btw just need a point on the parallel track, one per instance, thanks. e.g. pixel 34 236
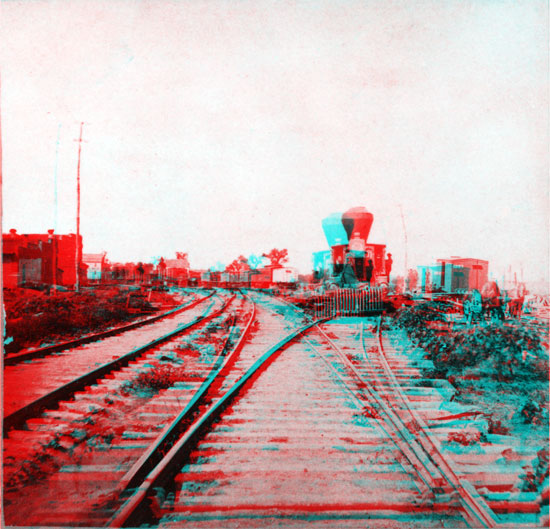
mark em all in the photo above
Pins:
pixel 226 365
pixel 435 463
pixel 25 356
pixel 204 469
pixel 69 386
pixel 408 435
pixel 145 504
pixel 97 472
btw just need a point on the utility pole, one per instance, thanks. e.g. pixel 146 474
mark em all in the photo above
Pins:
pixel 405 234
pixel 54 241
pixel 77 245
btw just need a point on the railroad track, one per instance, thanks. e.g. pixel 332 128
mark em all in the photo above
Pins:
pixel 317 428
pixel 151 429
pixel 90 416
pixel 484 476
pixel 228 474
pixel 384 399
pixel 284 445
pixel 493 467
pixel 34 384
pixel 78 413
pixel 26 355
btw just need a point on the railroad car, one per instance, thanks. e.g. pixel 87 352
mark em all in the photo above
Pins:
pixel 260 278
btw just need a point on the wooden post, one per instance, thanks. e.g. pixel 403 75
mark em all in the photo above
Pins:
pixel 77 245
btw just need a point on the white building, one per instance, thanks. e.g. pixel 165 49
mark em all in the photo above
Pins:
pixel 285 275
pixel 96 265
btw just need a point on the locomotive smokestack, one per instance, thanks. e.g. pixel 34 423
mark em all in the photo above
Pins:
pixel 357 220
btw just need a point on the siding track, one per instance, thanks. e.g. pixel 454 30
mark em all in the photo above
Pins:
pixel 40 384
pixel 486 476
pixel 289 443
pixel 284 423
pixel 26 355
pixel 102 425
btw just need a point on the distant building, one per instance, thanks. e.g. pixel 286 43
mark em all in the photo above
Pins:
pixel 37 258
pixel 97 266
pixel 260 278
pixel 120 271
pixel 476 272
pixel 285 275
pixel 454 274
pixel 177 270
pixel 149 273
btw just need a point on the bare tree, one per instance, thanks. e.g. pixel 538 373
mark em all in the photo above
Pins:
pixel 238 265
pixel 140 270
pixel 277 257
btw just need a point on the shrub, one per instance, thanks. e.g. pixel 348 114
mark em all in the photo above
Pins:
pixel 32 320
pixel 532 412
pixel 504 352
pixel 417 317
pixel 155 379
pixel 533 481
pixel 496 427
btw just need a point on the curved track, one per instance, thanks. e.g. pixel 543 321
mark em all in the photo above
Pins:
pixel 111 416
pixel 385 401
pixel 289 442
pixel 149 430
pixel 289 422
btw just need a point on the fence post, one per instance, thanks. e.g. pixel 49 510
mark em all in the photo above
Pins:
pixel 316 305
pixel 346 302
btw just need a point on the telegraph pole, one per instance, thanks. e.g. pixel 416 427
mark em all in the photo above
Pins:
pixel 405 234
pixel 77 260
pixel 54 241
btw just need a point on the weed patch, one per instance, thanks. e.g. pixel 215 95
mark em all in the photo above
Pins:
pixel 33 320
pixel 154 380
pixel 504 352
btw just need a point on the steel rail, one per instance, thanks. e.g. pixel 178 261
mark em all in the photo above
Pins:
pixel 163 443
pixel 52 398
pixel 469 497
pixel 170 464
pixel 407 444
pixel 16 358
pixel 414 458
pixel 386 425
pixel 421 452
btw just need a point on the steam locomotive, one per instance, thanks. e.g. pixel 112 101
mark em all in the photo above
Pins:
pixel 350 252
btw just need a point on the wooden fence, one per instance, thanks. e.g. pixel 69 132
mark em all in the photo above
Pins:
pixel 349 302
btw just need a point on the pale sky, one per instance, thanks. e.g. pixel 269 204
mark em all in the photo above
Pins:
pixel 222 128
